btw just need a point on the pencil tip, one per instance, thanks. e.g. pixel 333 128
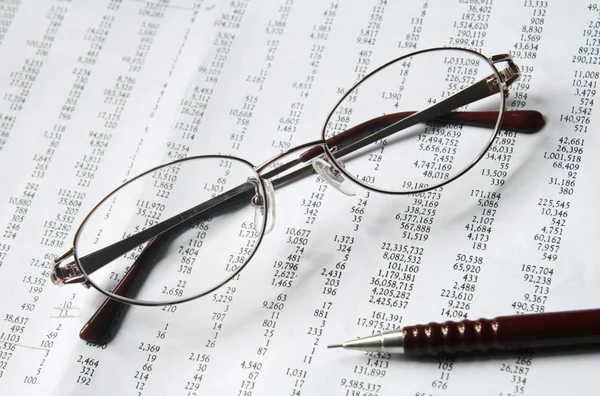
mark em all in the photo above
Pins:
pixel 335 346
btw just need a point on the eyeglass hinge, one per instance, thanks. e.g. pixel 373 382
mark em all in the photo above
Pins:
pixel 68 273
pixel 509 75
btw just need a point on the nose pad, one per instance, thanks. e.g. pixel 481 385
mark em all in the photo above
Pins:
pixel 333 176
pixel 259 201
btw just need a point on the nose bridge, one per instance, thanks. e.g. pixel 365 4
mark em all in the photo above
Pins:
pixel 264 204
pixel 333 176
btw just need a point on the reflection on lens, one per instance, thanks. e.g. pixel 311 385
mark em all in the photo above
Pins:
pixel 414 155
pixel 207 247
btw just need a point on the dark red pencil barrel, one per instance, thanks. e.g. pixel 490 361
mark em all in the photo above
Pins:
pixel 505 333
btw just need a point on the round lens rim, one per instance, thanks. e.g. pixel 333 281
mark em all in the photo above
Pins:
pixel 130 301
pixel 474 162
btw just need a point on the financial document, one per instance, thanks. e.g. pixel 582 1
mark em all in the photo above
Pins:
pixel 94 92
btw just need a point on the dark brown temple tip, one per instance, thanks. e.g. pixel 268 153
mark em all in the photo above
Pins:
pixel 97 328
pixel 525 121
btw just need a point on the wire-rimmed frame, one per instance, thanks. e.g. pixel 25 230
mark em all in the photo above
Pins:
pixel 65 272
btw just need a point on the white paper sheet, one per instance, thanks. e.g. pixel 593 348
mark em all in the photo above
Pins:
pixel 64 66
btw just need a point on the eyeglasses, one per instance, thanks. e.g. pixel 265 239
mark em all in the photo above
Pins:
pixel 181 230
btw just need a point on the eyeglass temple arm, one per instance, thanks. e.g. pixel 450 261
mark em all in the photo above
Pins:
pixel 98 259
pixel 522 121
pixel 482 89
pixel 488 86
